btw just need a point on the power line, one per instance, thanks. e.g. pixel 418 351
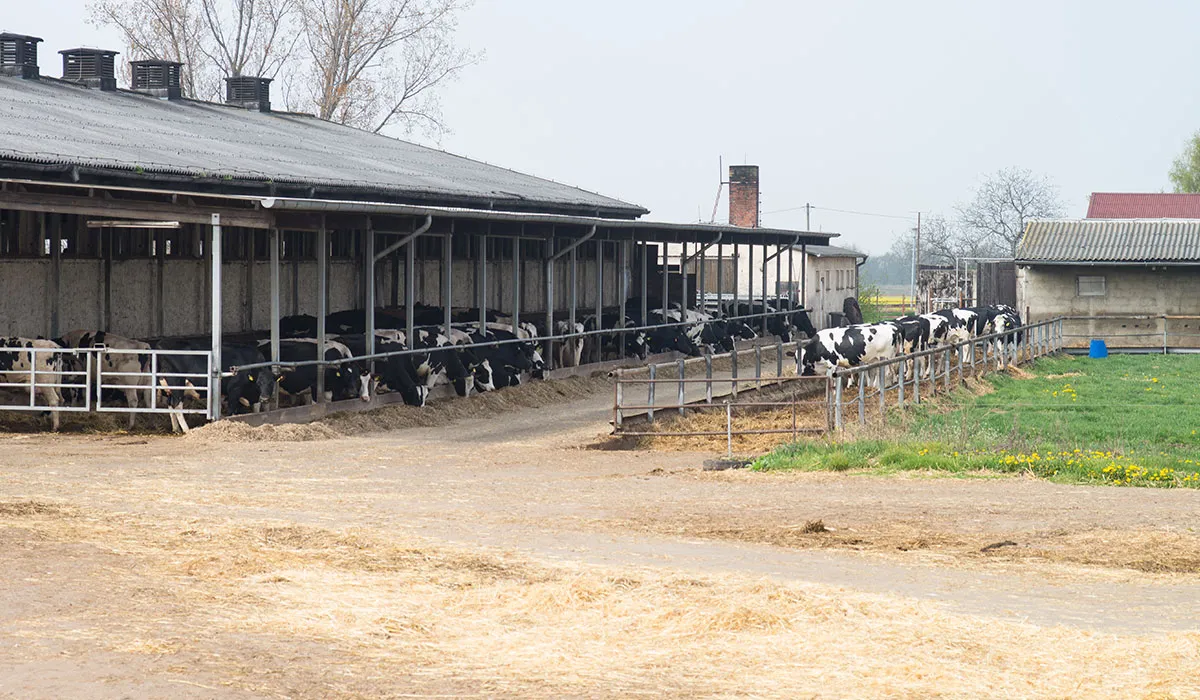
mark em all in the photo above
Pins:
pixel 843 211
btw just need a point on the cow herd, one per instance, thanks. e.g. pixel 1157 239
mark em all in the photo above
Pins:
pixel 478 352
pixel 862 344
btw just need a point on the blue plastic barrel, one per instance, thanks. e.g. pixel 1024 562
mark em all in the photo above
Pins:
pixel 1098 349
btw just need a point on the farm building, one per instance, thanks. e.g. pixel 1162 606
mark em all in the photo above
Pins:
pixel 1132 282
pixel 148 215
pixel 831 275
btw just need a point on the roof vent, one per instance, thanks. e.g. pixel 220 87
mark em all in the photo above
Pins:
pixel 248 92
pixel 94 68
pixel 18 55
pixel 158 78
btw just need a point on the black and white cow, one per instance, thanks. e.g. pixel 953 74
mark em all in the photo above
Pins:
pixel 243 392
pixel 441 363
pixel 342 381
pixel 129 367
pixel 568 352
pixel 395 373
pixel 21 363
pixel 779 325
pixel 610 343
pixel 849 346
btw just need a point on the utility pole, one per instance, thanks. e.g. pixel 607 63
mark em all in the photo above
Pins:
pixel 807 214
pixel 917 266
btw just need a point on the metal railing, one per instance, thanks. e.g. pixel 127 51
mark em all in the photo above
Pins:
pixel 825 400
pixel 80 377
pixel 934 369
pixel 1148 333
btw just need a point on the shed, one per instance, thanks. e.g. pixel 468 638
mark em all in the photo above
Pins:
pixel 1131 281
pixel 831 275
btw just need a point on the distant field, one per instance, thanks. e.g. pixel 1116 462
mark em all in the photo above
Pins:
pixel 1125 420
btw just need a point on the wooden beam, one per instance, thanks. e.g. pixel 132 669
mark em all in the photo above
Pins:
pixel 127 209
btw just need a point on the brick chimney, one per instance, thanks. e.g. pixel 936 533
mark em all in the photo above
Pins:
pixel 743 196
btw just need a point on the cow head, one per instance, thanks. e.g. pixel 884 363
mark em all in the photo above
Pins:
pixel 802 323
pixel 484 378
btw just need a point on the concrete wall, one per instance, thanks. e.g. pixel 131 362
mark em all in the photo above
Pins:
pixel 1050 290
pixel 26 292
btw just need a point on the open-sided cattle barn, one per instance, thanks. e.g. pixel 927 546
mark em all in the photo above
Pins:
pixel 141 213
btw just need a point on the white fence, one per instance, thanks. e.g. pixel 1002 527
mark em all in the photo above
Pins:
pixel 104 380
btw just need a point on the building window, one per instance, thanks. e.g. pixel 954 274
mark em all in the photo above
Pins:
pixel 1090 286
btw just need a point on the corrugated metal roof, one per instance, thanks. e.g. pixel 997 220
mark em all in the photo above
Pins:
pixel 51 122
pixel 1143 205
pixel 1111 240
pixel 832 251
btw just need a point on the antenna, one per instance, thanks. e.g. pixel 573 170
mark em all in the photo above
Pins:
pixel 721 182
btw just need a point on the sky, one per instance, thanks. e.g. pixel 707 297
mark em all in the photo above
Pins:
pixel 883 108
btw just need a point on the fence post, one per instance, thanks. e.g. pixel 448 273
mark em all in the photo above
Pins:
pixel 708 376
pixel 958 351
pixel 1164 322
pixel 916 384
pixel 758 366
pixel 733 370
pixel 728 429
pixel 682 391
pixel 900 386
pixel 778 358
pixel 650 394
pixel 153 381
pixel 947 377
pixel 618 397
pixel 837 402
pixel 862 397
pixel 793 415
pixel 882 391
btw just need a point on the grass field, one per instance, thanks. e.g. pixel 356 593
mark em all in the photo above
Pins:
pixel 1125 420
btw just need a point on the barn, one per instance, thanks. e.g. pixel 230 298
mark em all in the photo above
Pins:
pixel 1130 281
pixel 139 212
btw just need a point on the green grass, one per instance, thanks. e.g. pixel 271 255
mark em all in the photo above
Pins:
pixel 1127 420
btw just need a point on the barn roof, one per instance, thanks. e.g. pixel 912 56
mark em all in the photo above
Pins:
pixel 1120 241
pixel 832 251
pixel 1143 205
pixel 127 137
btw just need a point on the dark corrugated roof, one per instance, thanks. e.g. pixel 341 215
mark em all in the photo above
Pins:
pixel 1111 240
pixel 1143 205
pixel 51 122
pixel 832 251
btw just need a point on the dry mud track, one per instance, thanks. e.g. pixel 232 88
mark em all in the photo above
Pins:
pixel 493 556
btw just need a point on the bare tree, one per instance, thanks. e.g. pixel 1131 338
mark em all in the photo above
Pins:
pixel 372 64
pixel 944 241
pixel 1004 202
pixel 375 62
pixel 249 37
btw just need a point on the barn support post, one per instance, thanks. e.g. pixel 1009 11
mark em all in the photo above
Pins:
pixel 369 289
pixel 296 238
pixel 275 307
pixel 322 303
pixel 778 275
pixel 683 278
pixel 595 339
pixel 447 278
pixel 766 259
pixel 53 223
pixel 395 259
pixel 645 284
pixel 573 298
pixel 107 241
pixel 804 277
pixel 750 283
pixel 721 279
pixel 516 279
pixel 551 258
pixel 700 280
pixel 622 293
pixel 248 237
pixel 410 288
pixel 737 263
pixel 666 292
pixel 214 380
pixel 160 264
pixel 481 277
pixel 791 294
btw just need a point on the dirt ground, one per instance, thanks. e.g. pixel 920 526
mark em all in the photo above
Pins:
pixel 498 557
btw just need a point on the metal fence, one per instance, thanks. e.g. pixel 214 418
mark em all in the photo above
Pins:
pixel 83 380
pixel 825 402
pixel 1134 333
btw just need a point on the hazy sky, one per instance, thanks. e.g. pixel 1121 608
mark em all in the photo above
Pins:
pixel 883 107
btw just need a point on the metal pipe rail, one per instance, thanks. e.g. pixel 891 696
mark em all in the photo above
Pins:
pixel 490 343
